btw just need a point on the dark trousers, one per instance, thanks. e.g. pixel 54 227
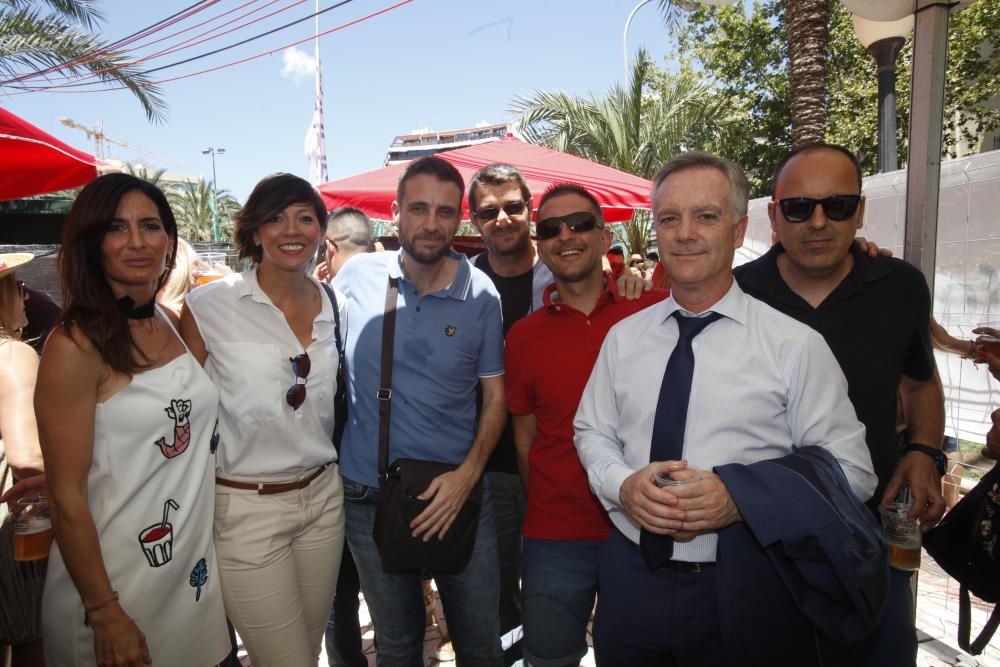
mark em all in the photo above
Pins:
pixel 509 502
pixel 894 641
pixel 661 619
pixel 343 631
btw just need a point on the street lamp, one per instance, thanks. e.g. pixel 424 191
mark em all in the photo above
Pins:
pixel 883 40
pixel 686 5
pixel 213 151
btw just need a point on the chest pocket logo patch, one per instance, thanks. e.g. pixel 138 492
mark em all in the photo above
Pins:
pixel 449 330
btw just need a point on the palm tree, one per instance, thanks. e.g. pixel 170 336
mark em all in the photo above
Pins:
pixel 807 23
pixel 625 127
pixel 192 206
pixel 63 42
pixel 155 178
pixel 807 29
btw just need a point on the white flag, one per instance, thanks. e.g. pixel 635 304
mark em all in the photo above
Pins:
pixel 315 144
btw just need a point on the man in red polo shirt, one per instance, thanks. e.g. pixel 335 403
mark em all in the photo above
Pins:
pixel 549 356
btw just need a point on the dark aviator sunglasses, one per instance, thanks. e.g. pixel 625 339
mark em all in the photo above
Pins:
pixel 296 394
pixel 582 221
pixel 490 213
pixel 835 207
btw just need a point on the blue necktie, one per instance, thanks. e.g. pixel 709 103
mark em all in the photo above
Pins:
pixel 671 416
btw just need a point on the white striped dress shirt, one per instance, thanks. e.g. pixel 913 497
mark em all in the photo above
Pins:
pixel 764 384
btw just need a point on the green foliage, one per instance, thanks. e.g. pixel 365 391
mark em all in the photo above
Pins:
pixel 192 206
pixel 745 54
pixel 64 41
pixel 634 127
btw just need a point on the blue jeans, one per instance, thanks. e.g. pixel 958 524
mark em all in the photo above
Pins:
pixel 470 597
pixel 557 596
pixel 343 630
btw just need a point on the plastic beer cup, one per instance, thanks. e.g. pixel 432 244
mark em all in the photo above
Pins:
pixel 32 527
pixel 903 536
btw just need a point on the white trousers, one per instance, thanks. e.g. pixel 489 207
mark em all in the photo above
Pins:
pixel 278 556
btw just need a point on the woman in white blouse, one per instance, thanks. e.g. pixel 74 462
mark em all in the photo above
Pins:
pixel 266 338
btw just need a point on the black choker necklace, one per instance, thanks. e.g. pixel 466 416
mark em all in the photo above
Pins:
pixel 133 312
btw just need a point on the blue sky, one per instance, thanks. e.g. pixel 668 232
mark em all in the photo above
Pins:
pixel 443 64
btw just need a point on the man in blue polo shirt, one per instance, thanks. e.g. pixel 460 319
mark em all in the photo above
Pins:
pixel 448 341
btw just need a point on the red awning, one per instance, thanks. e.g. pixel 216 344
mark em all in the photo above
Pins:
pixel 33 162
pixel 618 192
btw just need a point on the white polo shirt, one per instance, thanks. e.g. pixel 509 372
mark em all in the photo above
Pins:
pixel 250 346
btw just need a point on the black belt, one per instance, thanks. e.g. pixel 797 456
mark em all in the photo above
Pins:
pixel 685 566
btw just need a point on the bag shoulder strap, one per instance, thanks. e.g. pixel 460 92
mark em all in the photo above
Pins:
pixel 336 315
pixel 965 624
pixel 384 394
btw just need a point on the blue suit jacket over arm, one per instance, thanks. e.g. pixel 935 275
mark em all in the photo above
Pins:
pixel 806 574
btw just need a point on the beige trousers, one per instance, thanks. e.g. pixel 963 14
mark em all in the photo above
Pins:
pixel 278 561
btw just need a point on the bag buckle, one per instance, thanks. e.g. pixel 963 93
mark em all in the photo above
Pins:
pixel 383 394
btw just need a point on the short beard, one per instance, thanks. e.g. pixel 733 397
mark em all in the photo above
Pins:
pixel 427 258
pixel 521 247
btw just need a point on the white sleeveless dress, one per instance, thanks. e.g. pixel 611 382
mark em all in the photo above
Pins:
pixel 151 490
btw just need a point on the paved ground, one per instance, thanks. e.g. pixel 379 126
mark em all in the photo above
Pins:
pixel 937 626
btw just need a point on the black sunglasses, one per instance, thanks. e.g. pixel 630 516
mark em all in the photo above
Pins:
pixel 296 394
pixel 835 207
pixel 583 221
pixel 492 212
pixel 20 288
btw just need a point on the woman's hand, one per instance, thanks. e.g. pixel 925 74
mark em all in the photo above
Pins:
pixel 118 641
pixel 33 484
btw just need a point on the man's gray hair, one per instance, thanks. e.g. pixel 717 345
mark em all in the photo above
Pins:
pixel 349 225
pixel 739 189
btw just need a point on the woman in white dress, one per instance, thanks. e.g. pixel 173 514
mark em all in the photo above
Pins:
pixel 267 338
pixel 126 420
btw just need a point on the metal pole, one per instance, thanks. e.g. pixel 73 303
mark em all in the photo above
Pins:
pixel 215 202
pixel 628 22
pixel 884 51
pixel 923 173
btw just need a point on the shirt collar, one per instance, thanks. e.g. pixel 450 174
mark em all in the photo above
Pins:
pixel 734 305
pixel 610 294
pixel 250 287
pixel 459 288
pixel 767 278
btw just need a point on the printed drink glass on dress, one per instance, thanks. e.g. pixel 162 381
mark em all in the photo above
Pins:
pixel 32 527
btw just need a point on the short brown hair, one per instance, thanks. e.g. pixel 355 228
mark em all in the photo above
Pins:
pixel 272 195
pixel 560 189
pixel 497 173
pixel 434 166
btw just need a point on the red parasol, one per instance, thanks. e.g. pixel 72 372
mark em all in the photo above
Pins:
pixel 33 162
pixel 619 193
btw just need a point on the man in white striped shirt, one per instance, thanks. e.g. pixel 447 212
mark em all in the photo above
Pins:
pixel 763 385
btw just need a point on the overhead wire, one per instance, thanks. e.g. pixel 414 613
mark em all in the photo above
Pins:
pixel 56 87
pixel 117 45
pixel 24 90
pixel 82 79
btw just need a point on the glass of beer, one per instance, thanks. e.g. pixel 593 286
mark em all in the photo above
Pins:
pixel 989 342
pixel 209 266
pixel 32 527
pixel 903 536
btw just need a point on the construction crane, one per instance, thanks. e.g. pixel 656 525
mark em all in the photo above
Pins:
pixel 97 133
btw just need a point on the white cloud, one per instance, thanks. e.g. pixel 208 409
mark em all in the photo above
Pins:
pixel 298 65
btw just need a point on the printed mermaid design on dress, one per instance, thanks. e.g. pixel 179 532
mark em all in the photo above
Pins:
pixel 179 411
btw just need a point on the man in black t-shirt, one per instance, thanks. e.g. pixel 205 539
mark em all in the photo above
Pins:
pixel 500 208
pixel 875 316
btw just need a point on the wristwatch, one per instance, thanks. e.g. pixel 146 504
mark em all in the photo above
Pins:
pixel 940 460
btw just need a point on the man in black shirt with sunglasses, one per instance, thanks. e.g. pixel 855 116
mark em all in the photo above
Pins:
pixel 874 313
